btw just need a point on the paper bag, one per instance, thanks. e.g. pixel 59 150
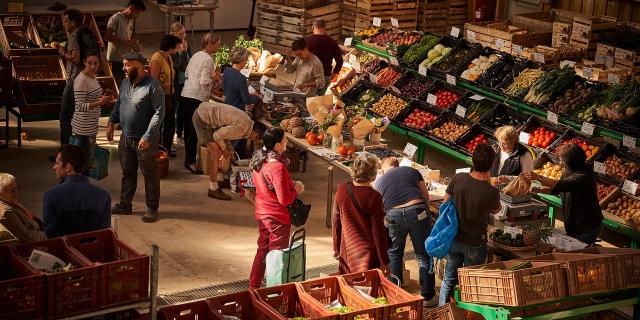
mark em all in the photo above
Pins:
pixel 319 107
pixel 361 129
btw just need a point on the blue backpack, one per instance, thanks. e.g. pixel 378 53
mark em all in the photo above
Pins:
pixel 444 231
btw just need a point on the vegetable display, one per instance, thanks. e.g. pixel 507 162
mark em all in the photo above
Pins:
pixel 501 118
pixel 478 66
pixel 572 99
pixel 435 55
pixel 387 77
pixel 523 82
pixel 605 190
pixel 450 130
pixel 619 168
pixel 455 61
pixel 222 56
pixel 414 88
pixel 389 106
pixel 245 43
pixel 619 102
pixel 550 84
pixel 446 98
pixel 419 119
pixel 626 208
pixel 475 141
pixel 366 97
pixel 550 170
pixel 541 137
pixel 416 51
pixel 506 239
pixel 477 109
pixel 372 66
pixel 589 150
pixel 364 58
pixel 368 32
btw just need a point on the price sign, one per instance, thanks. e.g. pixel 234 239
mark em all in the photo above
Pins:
pixel 523 138
pixel 599 167
pixel 512 230
pixel 629 142
pixel 587 72
pixel 406 162
pixel 394 23
pixel 500 43
pixel 564 63
pixel 377 22
pixel 461 111
pixel 538 57
pixel 455 32
pixel 476 97
pixel 613 78
pixel 516 49
pixel 608 61
pixel 373 78
pixel 587 128
pixel 630 187
pixel 552 117
pixel 356 66
pixel 347 41
pixel 410 150
pixel 451 80
pixel 467 170
pixel 432 99
pixel 393 61
pixel 471 36
pixel 264 80
pixel 422 70
pixel 245 72
pixel 268 95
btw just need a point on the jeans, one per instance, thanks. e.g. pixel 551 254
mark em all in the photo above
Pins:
pixel 412 221
pixel 588 237
pixel 460 255
pixel 179 115
pixel 130 159
pixel 168 128
pixel 88 145
pixel 189 106
pixel 272 236
pixel 67 108
pixel 117 69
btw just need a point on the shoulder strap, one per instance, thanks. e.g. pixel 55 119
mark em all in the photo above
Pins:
pixel 353 198
pixel 269 185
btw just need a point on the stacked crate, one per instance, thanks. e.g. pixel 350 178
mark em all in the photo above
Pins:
pixel 358 14
pixel 433 16
pixel 586 31
pixel 458 13
pixel 279 25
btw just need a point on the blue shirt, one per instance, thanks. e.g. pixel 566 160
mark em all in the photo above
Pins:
pixel 399 186
pixel 75 206
pixel 140 109
pixel 236 89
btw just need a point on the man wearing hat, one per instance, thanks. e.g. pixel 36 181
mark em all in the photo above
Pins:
pixel 139 110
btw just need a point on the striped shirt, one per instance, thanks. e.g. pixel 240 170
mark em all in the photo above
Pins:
pixel 86 91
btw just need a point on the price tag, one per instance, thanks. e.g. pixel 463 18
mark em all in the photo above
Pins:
pixel 476 97
pixel 394 23
pixel 600 59
pixel 538 57
pixel 268 95
pixel 432 99
pixel 523 138
pixel 405 162
pixel 395 89
pixel 410 150
pixel 467 170
pixel 552 117
pixel 512 230
pixel 569 63
pixel 245 72
pixel 613 78
pixel 264 80
pixel 599 167
pixel 461 111
pixel 355 65
pixel 393 61
pixel 587 128
pixel 422 70
pixel 377 22
pixel 471 36
pixel 500 43
pixel 373 78
pixel 516 49
pixel 630 187
pixel 629 142
pixel 587 72
pixel 347 41
pixel 455 32
pixel 451 80
pixel 608 61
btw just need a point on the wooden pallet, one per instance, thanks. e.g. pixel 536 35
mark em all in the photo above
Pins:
pixel 489 34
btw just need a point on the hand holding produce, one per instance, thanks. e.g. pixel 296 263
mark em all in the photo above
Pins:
pixel 541 137
pixel 416 50
pixel 388 76
pixel 550 170
pixel 389 106
pixel 414 88
pixel 478 66
pixel 419 119
pixel 446 98
pixel 450 130
pixel 475 141
pixel 619 168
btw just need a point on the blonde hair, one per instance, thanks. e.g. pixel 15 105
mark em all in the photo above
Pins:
pixel 6 180
pixel 175 27
pixel 209 38
pixel 365 167
pixel 238 54
pixel 506 134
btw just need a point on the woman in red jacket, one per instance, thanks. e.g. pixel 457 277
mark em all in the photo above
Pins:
pixel 275 190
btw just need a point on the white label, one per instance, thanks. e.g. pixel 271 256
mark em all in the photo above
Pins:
pixel 432 99
pixel 394 23
pixel 466 170
pixel 471 36
pixel 608 61
pixel 405 162
pixel 587 72
pixel 629 142
pixel 538 57
pixel 377 22
pixel 567 63
pixel 264 80
pixel 516 49
pixel 512 230
pixel 455 32
pixel 552 117
pixel 451 80
pixel 422 70
pixel 613 78
pixel 410 150
pixel 395 89
pixel 347 42
pixel 476 97
pixel 245 72
pixel 600 59
pixel 523 138
pixel 587 128
pixel 630 187
pixel 268 95
pixel 500 43
pixel 373 78
pixel 599 167
pixel 461 111
pixel 393 61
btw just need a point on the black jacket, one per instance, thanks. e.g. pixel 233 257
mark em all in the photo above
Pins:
pixel 511 166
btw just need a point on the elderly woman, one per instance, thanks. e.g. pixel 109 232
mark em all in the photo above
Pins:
pixel 359 235
pixel 13 216
pixel 514 157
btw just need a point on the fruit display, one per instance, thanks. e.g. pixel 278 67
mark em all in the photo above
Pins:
pixel 313 138
pixel 446 98
pixel 389 106
pixel 550 170
pixel 368 32
pixel 457 60
pixel 414 88
pixel 550 84
pixel 295 126
pixel 435 55
pixel 380 300
pixel 533 234
pixel 382 153
pixel 37 75
pixel 589 149
pixel 477 109
pixel 507 239
pixel 382 39
pixel 364 58
pixel 619 102
pixel 346 151
pixel 416 51
pixel 342 309
pixel 572 99
pixel 475 141
pixel 450 130
pixel 521 84
pixel 372 66
pixel 619 168
pixel 478 66
pixel 387 76
pixel 541 137
pixel 604 190
pixel 367 97
pixel 626 208
pixel 343 84
pixel 419 119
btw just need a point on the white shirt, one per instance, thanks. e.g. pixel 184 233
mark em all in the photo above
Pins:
pixel 197 83
pixel 503 157
pixel 85 120
pixel 123 29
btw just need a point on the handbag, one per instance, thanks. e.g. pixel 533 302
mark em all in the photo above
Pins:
pixel 298 210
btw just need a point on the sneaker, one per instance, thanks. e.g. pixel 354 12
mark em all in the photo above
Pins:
pixel 430 303
pixel 120 208
pixel 150 216
pixel 218 194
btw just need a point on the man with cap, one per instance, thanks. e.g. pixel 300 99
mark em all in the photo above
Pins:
pixel 139 109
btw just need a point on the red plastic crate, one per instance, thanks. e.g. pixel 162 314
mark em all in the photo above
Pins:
pixel 244 305
pixel 196 310
pixel 326 290
pixel 290 301
pixel 21 289
pixel 402 305
pixel 70 292
pixel 124 272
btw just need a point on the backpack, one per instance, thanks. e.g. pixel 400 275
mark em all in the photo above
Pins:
pixel 444 231
pixel 86 41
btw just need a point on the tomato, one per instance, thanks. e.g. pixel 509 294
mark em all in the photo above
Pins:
pixel 312 139
pixel 342 150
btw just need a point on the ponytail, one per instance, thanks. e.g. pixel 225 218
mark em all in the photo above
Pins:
pixel 270 138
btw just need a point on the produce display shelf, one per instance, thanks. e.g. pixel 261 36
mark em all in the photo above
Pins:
pixel 444 149
pixel 378 52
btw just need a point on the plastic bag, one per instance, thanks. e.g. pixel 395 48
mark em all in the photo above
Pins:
pixel 444 231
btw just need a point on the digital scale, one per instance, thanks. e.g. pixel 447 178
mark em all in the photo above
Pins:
pixel 520 211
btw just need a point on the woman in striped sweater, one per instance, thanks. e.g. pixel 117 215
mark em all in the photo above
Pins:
pixel 89 97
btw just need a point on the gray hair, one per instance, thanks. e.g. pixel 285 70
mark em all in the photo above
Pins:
pixel 238 54
pixel 209 38
pixel 365 167
pixel 6 180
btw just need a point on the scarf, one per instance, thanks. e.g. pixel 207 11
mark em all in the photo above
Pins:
pixel 278 156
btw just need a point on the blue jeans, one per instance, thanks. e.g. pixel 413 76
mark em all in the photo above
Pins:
pixel 67 108
pixel 413 221
pixel 460 255
pixel 588 237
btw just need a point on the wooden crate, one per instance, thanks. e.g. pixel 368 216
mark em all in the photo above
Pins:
pixel 552 56
pixel 458 13
pixel 486 33
pixel 543 21
pixel 18 28
pixel 303 4
pixel 600 72
pixel 561 34
pixel 588 28
pixel 628 58
pixel 434 17
pixel 359 14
